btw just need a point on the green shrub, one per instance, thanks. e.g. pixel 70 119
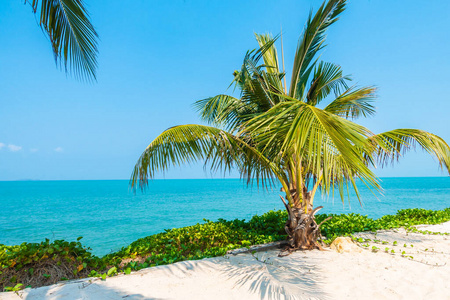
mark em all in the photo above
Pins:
pixel 199 241
pixel 35 264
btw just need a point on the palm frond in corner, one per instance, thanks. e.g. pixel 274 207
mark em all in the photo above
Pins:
pixel 73 37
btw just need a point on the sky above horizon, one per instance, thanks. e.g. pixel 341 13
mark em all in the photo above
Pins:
pixel 157 57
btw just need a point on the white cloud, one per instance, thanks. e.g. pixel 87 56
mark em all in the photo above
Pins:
pixel 2 145
pixel 14 148
pixel 34 150
pixel 59 149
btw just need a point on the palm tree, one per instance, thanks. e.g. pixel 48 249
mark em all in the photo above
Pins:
pixel 73 38
pixel 273 134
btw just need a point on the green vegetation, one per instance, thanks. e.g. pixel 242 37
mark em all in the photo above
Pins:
pixel 37 264
pixel 201 240
pixel 303 136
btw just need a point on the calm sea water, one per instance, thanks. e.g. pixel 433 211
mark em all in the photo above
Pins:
pixel 108 215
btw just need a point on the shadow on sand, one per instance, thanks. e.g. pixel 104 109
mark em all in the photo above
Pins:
pixel 80 289
pixel 271 277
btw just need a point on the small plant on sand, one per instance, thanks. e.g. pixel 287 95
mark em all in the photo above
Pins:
pixel 15 288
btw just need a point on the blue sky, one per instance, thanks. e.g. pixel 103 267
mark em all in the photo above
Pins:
pixel 157 57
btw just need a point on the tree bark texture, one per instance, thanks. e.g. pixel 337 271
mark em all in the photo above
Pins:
pixel 301 227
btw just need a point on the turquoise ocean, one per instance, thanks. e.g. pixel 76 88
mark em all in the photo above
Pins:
pixel 109 215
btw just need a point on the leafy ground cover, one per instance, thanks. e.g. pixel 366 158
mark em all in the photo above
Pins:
pixel 38 264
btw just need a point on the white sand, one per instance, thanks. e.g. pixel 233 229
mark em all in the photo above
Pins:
pixel 302 275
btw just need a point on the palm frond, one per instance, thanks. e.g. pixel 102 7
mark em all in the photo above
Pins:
pixel 327 78
pixel 353 103
pixel 224 110
pixel 392 144
pixel 318 138
pixel 270 55
pixel 312 40
pixel 188 143
pixel 303 81
pixel 73 38
pixel 250 65
pixel 256 91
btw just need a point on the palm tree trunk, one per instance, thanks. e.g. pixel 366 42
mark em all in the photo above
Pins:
pixel 301 227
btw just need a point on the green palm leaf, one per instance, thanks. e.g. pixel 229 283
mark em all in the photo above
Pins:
pixel 327 78
pixel 392 144
pixel 189 143
pixel 270 55
pixel 73 38
pixel 324 142
pixel 312 41
pixel 353 103
pixel 224 110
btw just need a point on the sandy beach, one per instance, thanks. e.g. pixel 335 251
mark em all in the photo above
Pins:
pixel 144 142
pixel 418 269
